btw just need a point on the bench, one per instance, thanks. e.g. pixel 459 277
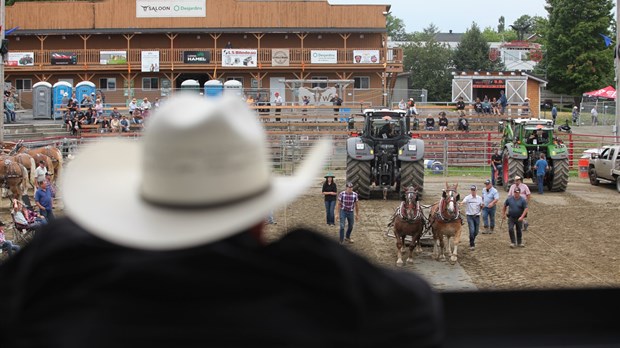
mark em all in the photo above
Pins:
pixel 89 128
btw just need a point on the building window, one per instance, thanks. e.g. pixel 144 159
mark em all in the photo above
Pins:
pixel 320 85
pixel 23 84
pixel 149 83
pixel 108 83
pixel 361 82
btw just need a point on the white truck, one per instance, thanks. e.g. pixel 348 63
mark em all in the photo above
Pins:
pixel 606 166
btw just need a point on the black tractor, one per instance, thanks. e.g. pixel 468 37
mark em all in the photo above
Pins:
pixel 384 157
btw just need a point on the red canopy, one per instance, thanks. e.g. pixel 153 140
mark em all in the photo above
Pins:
pixel 608 92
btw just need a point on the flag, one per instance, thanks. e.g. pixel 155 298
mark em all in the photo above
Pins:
pixel 8 32
pixel 607 40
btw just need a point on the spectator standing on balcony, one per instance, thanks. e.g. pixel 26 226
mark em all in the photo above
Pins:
pixel 277 100
pixel 228 45
pixel 337 101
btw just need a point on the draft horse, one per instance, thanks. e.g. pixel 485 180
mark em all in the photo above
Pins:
pixel 408 220
pixel 446 222
pixel 50 151
pixel 12 177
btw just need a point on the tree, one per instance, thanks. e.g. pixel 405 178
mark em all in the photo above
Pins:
pixel 430 63
pixel 396 28
pixel 523 26
pixel 502 24
pixel 577 59
pixel 472 52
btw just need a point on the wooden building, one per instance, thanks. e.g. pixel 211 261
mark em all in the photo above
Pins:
pixel 149 47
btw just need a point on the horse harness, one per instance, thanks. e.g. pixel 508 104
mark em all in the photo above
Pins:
pixel 9 173
pixel 438 215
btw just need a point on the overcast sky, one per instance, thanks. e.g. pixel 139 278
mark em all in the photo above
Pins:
pixel 456 15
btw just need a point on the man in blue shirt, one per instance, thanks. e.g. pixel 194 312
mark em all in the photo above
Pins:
pixel 554 113
pixel 541 167
pixel 43 199
pixel 490 197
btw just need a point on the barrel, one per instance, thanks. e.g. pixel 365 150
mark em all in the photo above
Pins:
pixel 583 167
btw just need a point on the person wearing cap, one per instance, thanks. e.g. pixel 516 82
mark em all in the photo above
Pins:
pixel 44 201
pixel 347 207
pixel 525 191
pixel 490 197
pixel 278 101
pixel 517 210
pixel 541 167
pixel 39 173
pixel 575 115
pixel 473 206
pixel 133 105
pixel 7 245
pixel 50 184
pixel 183 260
pixel 330 192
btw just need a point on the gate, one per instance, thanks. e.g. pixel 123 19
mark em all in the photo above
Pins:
pixel 462 88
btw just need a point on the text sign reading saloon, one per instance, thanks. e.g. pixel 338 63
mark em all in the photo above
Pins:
pixel 196 57
pixel 170 8
pixel 323 57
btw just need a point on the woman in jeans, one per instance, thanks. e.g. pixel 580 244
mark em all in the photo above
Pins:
pixel 330 191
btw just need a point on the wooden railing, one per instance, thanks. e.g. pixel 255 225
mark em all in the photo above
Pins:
pixel 90 58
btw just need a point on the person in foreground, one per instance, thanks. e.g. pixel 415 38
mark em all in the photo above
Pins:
pixel 182 262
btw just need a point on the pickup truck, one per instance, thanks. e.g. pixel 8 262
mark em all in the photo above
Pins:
pixel 606 166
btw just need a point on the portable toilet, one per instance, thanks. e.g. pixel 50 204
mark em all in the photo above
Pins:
pixel 233 87
pixel 213 88
pixel 42 100
pixel 85 88
pixel 191 85
pixel 59 90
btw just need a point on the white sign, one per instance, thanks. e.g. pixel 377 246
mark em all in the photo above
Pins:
pixel 239 57
pixel 365 56
pixel 324 57
pixel 170 8
pixel 150 61
pixel 20 59
pixel 280 57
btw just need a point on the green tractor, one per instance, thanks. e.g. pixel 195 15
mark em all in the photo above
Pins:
pixel 523 141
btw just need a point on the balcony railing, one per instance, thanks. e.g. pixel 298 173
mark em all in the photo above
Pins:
pixel 168 58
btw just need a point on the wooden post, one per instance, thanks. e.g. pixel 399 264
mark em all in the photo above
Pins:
pixel 41 39
pixel 215 37
pixel 172 37
pixel 302 37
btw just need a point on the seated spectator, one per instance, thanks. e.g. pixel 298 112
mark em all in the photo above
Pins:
pixel 86 102
pixel 7 245
pixel 124 124
pixel 133 105
pixel 105 124
pixel 443 122
pixel 115 113
pixel 137 119
pixel 430 123
pixel 460 106
pixel 115 125
pixel 98 107
pixel 486 105
pixel 495 106
pixel 25 218
pixel 463 124
pixel 478 106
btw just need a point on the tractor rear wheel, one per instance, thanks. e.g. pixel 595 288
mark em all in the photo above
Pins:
pixel 560 175
pixel 411 174
pixel 511 168
pixel 358 173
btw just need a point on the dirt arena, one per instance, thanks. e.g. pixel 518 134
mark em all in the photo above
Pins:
pixel 571 241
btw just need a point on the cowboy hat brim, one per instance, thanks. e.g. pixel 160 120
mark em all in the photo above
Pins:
pixel 90 195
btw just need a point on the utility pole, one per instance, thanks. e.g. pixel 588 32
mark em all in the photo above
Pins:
pixel 617 66
pixel 2 31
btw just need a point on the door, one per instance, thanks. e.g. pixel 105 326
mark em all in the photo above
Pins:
pixel 276 84
pixel 462 88
pixel 516 91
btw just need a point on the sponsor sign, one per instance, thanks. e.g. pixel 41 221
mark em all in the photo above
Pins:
pixel 64 58
pixel 365 56
pixel 280 57
pixel 20 59
pixel 489 84
pixel 170 8
pixel 112 57
pixel 150 61
pixel 197 57
pixel 239 57
pixel 323 56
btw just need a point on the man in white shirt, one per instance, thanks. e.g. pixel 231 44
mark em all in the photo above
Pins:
pixel 473 207
pixel 40 172
pixel 525 191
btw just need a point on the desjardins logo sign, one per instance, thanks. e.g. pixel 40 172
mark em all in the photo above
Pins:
pixel 169 8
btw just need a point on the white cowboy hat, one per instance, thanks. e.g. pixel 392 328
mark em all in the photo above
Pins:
pixel 199 174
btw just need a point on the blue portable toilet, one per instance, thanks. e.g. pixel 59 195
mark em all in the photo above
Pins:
pixel 435 166
pixel 84 88
pixel 42 100
pixel 233 87
pixel 191 86
pixel 213 88
pixel 59 90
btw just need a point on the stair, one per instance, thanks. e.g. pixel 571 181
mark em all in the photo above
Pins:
pixel 33 131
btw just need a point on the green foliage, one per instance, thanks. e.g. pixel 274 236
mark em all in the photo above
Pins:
pixel 473 52
pixel 396 28
pixel 577 59
pixel 429 63
pixel 502 24
pixel 490 35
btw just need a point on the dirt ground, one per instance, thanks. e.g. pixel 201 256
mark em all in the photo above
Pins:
pixel 571 241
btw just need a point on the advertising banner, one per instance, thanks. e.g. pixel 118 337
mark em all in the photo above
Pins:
pixel 20 59
pixel 323 56
pixel 64 58
pixel 112 57
pixel 170 8
pixel 197 57
pixel 366 56
pixel 150 61
pixel 239 57
pixel 280 57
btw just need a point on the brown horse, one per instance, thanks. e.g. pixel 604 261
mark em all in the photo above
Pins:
pixel 12 176
pixel 28 162
pixel 408 220
pixel 446 221
pixel 52 152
